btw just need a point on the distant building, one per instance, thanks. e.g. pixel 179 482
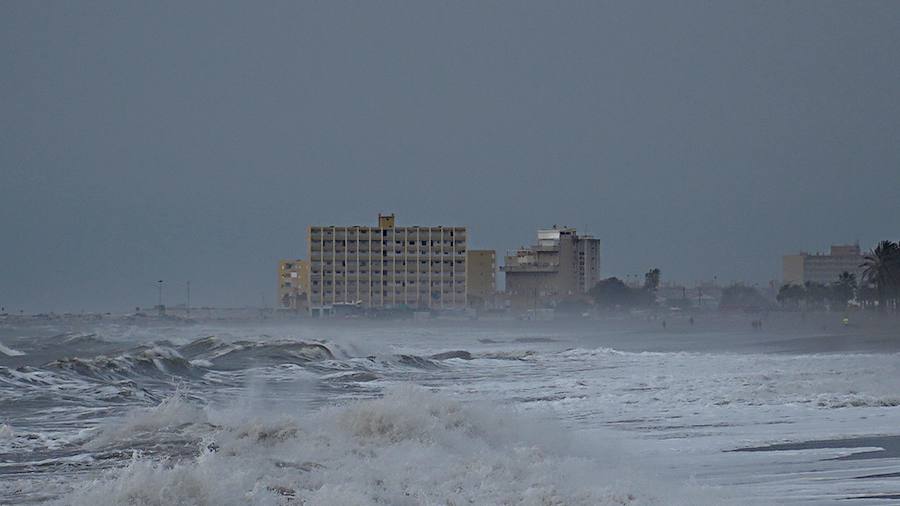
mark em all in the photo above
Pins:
pixel 293 284
pixel 562 264
pixel 387 266
pixel 822 268
pixel 481 278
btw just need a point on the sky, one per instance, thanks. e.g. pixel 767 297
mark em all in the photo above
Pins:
pixel 196 141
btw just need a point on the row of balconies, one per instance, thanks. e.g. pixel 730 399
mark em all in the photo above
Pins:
pixel 447 276
pixel 390 236
pixel 380 231
pixel 366 290
pixel 390 241
pixel 390 264
pixel 350 295
pixel 394 263
pixel 390 274
pixel 530 267
pixel 328 250
pixel 398 275
pixel 375 256
pixel 388 267
pixel 445 280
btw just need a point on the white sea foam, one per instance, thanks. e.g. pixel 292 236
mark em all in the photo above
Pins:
pixel 409 447
pixel 173 413
pixel 253 430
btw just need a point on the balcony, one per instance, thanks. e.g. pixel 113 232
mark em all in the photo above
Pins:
pixel 530 267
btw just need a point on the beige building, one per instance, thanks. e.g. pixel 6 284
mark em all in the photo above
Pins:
pixel 293 284
pixel 562 264
pixel 820 267
pixel 387 266
pixel 481 278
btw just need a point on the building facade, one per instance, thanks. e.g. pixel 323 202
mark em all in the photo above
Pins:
pixel 387 266
pixel 293 284
pixel 822 268
pixel 481 278
pixel 561 265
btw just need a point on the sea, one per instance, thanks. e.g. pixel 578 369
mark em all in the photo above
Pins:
pixel 621 411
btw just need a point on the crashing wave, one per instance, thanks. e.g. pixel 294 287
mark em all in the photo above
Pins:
pixel 409 447
pixel 156 362
pixel 245 354
pixel 173 415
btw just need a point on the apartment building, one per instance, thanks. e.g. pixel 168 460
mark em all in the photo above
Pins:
pixel 820 267
pixel 387 266
pixel 293 284
pixel 562 264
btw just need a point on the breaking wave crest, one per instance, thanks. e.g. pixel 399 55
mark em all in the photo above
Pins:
pixel 409 447
pixel 243 354
pixel 155 362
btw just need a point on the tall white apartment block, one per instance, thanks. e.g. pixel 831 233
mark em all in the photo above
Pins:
pixel 387 266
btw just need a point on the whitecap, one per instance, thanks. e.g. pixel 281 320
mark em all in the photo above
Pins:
pixel 10 352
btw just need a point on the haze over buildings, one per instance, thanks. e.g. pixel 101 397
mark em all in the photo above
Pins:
pixel 148 141
pixel 823 268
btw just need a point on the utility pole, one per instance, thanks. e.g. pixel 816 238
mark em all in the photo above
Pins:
pixel 159 307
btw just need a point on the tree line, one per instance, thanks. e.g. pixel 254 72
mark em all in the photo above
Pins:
pixel 613 292
pixel 879 286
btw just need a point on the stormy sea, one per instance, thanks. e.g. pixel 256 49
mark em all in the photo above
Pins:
pixel 714 411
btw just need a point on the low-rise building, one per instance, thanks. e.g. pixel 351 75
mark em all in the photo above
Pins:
pixel 481 278
pixel 293 284
pixel 820 267
pixel 561 265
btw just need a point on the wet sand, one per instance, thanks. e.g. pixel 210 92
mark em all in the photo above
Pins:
pixel 889 448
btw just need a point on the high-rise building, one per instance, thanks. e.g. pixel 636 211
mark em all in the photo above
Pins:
pixel 822 268
pixel 562 264
pixel 387 266
pixel 481 278
pixel 293 284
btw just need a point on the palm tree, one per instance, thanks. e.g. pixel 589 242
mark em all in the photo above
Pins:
pixel 843 289
pixel 790 295
pixel 881 267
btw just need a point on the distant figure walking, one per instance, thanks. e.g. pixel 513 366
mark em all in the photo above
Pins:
pixel 664 324
pixel 691 319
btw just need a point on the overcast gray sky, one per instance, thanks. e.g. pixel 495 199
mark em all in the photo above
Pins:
pixel 197 140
